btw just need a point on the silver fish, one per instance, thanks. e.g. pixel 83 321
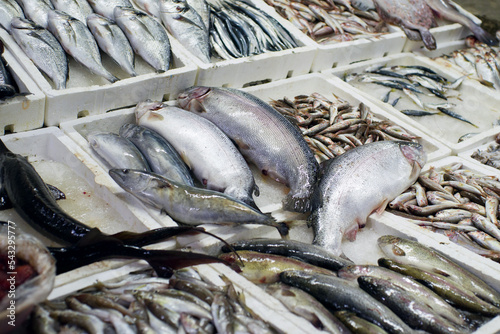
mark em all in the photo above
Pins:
pixel 186 25
pixel 106 7
pixel 112 41
pixel 209 153
pixel 201 7
pixel 79 9
pixel 152 7
pixel 357 183
pixel 9 9
pixel 77 41
pixel 160 154
pixel 146 35
pixel 37 11
pixel 43 49
pixel 238 114
pixel 117 151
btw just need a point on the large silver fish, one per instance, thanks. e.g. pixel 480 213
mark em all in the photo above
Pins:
pixel 37 11
pixel 42 48
pixel 186 25
pixel 146 35
pixel 201 7
pixel 77 41
pixel 358 182
pixel 208 152
pixel 106 7
pixel 79 9
pixel 263 136
pixel 113 41
pixel 8 10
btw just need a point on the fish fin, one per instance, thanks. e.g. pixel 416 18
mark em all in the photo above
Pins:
pixel 428 39
pixel 381 208
pixel 56 193
pixel 166 261
pixel 351 233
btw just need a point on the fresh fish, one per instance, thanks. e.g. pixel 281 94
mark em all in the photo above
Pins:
pixel 43 49
pixel 89 323
pixel 162 158
pixel 117 151
pixel 79 9
pixel 414 15
pixel 455 115
pixel 485 240
pixel 486 73
pixel 238 113
pixel 7 83
pixel 174 304
pixel 411 112
pixel 77 41
pixel 357 324
pixel 357 183
pixel 106 7
pixel 9 9
pixel 189 205
pixel 146 35
pixel 463 62
pixel 262 268
pixel 37 11
pixel 339 294
pixel 303 304
pixel 414 253
pixel 112 41
pixel 208 152
pixel 152 7
pixel 306 252
pixel 447 10
pixel 363 5
pixel 202 8
pixel 186 25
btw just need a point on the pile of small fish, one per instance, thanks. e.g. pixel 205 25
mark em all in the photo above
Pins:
pixel 479 61
pixel 331 127
pixel 416 83
pixel 142 303
pixel 445 297
pixel 490 156
pixel 458 203
pixel 332 21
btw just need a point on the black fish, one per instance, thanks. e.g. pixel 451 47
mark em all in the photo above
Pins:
pixel 7 84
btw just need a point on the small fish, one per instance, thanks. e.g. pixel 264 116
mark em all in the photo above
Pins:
pixel 411 112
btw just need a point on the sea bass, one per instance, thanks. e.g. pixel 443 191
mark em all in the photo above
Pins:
pixel 264 137
pixel 357 183
pixel 9 9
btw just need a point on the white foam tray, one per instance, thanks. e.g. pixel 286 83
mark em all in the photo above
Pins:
pixel 479 104
pixel 482 146
pixel 88 94
pixel 24 112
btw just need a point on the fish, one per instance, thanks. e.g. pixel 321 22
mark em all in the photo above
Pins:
pixel 455 115
pixel 117 151
pixel 146 35
pixel 111 39
pixel 186 25
pixel 302 251
pixel 237 114
pixel 202 8
pixel 152 7
pixel 7 83
pixel 43 49
pixel 338 294
pixel 161 156
pixel 9 9
pixel 447 10
pixel 345 195
pixel 77 40
pixel 355 323
pixel 413 15
pixel 262 268
pixel 208 152
pixel 37 11
pixel 106 8
pixel 412 112
pixel 189 205
pixel 79 9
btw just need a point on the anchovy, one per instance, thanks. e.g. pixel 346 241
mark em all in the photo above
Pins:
pixel 9 9
pixel 79 9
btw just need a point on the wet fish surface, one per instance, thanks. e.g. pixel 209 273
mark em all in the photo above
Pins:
pixel 37 11
pixel 9 9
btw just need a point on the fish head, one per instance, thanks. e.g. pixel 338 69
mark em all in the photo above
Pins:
pixel 133 181
pixel 399 249
pixel 143 107
pixel 22 23
pixel 192 98
pixel 173 6
pixel 416 156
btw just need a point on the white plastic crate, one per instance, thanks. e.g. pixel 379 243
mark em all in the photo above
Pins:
pixel 482 146
pixel 477 103
pixel 23 112
pixel 87 94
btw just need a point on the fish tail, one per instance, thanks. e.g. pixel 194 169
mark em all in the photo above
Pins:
pixel 483 36
pixel 428 39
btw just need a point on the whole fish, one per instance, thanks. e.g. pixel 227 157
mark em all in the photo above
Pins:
pixel 117 151
pixel 37 11
pixel 414 253
pixel 146 35
pixel 42 48
pixel 357 324
pixel 201 7
pixel 337 293
pixel 77 41
pixel 9 9
pixel 447 10
pixel 277 149
pixel 152 7
pixel 112 41
pixel 106 7
pixel 410 15
pixel 189 205
pixel 186 25
pixel 161 156
pixel 209 153
pixel 357 183
pixel 79 9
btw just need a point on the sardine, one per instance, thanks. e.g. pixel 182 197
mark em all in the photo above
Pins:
pixel 79 9
pixel 9 9
pixel 209 153
pixel 43 49
pixel 77 41
pixel 146 35
pixel 37 11
pixel 357 183
pixel 112 41
pixel 238 114
pixel 106 7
